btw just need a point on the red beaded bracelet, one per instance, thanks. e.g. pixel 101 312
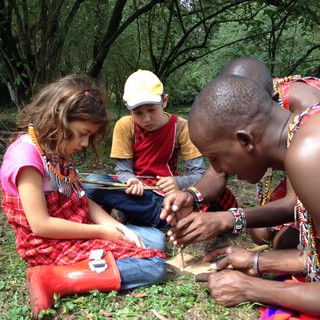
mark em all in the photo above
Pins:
pixel 197 197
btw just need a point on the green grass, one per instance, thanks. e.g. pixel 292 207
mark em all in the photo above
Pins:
pixel 180 298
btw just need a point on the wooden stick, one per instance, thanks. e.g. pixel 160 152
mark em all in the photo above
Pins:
pixel 104 183
pixel 113 174
pixel 182 258
pixel 158 315
pixel 259 248
pixel 121 188
pixel 114 184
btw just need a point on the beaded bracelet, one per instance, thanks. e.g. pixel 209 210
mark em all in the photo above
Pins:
pixel 256 262
pixel 240 221
pixel 197 197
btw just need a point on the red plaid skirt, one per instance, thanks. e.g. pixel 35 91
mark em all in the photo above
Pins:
pixel 36 250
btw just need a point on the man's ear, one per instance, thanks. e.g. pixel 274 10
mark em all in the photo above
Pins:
pixel 245 138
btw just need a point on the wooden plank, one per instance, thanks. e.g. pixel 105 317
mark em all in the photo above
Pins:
pixel 192 265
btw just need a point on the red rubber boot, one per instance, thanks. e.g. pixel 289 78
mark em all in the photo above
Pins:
pixel 45 281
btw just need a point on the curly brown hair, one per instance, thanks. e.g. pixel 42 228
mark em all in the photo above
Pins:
pixel 74 97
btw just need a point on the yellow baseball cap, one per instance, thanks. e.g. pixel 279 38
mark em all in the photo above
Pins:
pixel 142 87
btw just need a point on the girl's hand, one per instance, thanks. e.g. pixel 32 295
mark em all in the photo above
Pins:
pixel 167 184
pixel 130 236
pixel 135 187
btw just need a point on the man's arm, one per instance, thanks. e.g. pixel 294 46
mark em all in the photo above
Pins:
pixel 211 184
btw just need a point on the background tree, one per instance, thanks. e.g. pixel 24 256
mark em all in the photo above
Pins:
pixel 185 42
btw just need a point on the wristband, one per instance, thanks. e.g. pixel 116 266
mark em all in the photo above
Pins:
pixel 239 218
pixel 256 262
pixel 197 197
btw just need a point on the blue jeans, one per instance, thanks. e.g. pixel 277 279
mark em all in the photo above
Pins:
pixel 143 211
pixel 142 272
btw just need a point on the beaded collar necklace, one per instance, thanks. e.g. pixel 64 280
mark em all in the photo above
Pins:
pixel 264 188
pixel 276 87
pixel 307 231
pixel 65 184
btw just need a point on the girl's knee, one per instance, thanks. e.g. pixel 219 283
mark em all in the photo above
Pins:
pixel 160 269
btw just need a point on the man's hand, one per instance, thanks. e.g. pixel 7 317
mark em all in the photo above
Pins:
pixel 176 205
pixel 229 287
pixel 200 226
pixel 234 258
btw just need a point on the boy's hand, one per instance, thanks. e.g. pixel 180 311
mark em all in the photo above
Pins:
pixel 167 184
pixel 135 187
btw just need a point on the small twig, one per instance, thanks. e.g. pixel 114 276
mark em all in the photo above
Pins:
pixel 259 248
pixel 182 257
pixel 158 315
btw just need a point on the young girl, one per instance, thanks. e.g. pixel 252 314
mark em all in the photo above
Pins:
pixel 71 243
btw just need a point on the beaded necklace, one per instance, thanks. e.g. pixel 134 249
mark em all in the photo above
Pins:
pixel 307 232
pixel 65 184
pixel 276 87
pixel 264 188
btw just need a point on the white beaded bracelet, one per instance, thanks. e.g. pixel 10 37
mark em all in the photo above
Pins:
pixel 239 218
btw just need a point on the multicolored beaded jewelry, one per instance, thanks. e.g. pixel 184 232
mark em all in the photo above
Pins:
pixel 197 197
pixel 64 184
pixel 307 242
pixel 239 220
pixel 307 235
pixel 264 188
pixel 276 87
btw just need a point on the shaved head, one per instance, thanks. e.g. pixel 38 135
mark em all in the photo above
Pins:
pixel 251 68
pixel 229 103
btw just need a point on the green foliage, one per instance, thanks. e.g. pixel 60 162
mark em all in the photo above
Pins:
pixel 185 42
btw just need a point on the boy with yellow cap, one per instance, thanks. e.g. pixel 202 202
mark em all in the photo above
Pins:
pixel 146 145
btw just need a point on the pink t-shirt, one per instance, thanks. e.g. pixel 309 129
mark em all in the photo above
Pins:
pixel 21 153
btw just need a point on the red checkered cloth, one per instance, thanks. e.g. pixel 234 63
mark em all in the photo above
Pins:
pixel 36 250
pixel 227 200
pixel 280 191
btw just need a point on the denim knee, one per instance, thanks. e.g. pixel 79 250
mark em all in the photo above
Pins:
pixel 151 237
pixel 136 272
